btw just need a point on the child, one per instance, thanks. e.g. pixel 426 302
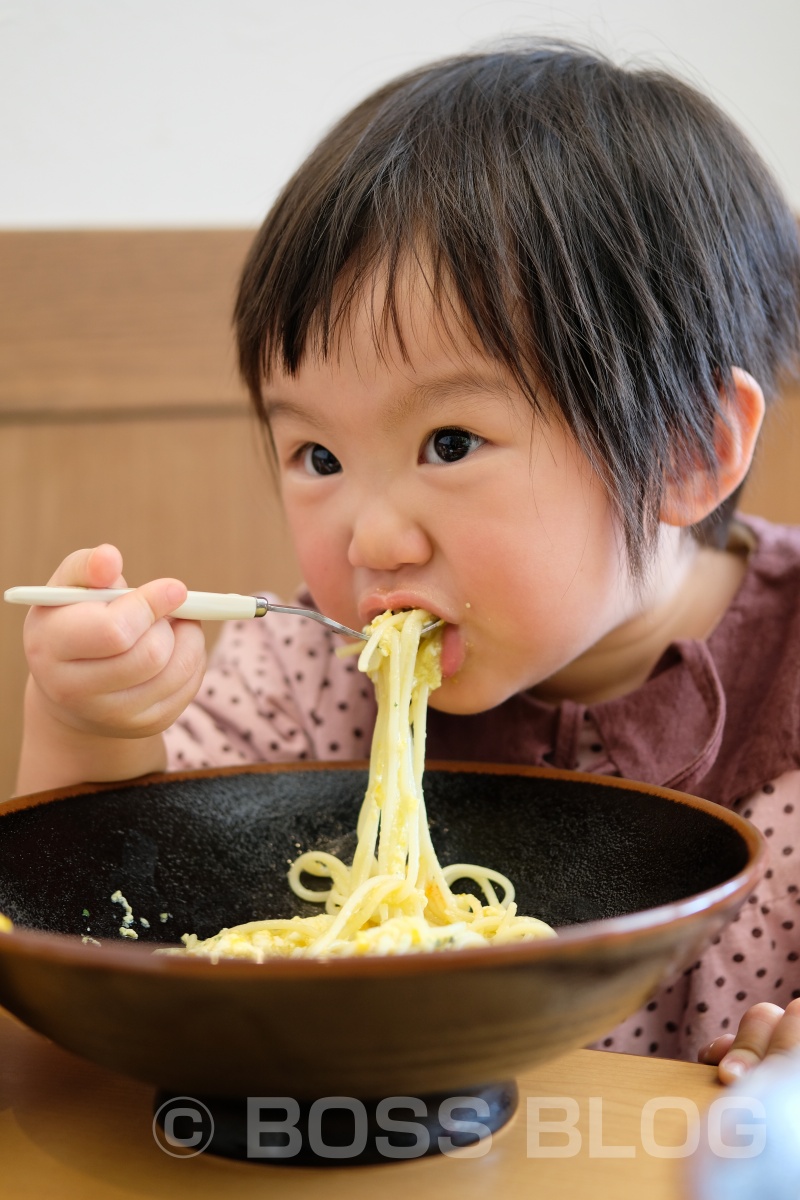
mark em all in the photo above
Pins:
pixel 510 328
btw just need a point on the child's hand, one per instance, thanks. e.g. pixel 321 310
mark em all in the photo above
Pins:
pixel 116 670
pixel 764 1029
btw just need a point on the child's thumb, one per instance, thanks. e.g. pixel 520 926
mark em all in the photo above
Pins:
pixel 99 566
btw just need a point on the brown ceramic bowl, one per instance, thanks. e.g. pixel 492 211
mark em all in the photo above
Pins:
pixel 637 879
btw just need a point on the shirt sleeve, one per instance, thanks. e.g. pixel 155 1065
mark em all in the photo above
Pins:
pixel 275 691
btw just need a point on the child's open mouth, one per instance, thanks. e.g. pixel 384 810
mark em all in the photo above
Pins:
pixel 453 641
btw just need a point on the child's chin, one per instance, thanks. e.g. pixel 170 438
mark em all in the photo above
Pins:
pixel 465 694
pixel 459 701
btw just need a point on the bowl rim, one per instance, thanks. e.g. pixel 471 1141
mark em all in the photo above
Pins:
pixel 67 949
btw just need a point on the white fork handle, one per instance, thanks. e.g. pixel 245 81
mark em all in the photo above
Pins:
pixel 198 606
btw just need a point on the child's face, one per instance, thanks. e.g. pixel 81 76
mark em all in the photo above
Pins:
pixel 428 483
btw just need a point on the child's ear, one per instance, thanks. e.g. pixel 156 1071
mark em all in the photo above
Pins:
pixel 689 500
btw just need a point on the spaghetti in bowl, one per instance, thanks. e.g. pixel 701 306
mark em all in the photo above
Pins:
pixel 635 880
pixel 394 897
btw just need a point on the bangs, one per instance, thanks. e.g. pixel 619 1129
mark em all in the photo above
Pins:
pixel 415 195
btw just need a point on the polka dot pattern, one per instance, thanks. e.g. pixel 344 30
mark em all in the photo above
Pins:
pixel 755 958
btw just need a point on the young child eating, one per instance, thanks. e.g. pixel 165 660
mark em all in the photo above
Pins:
pixel 511 329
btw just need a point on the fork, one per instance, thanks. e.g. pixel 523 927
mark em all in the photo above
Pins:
pixel 198 606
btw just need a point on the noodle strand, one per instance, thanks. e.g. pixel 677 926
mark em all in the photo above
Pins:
pixel 395 898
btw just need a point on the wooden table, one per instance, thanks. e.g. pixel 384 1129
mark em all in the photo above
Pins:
pixel 73 1131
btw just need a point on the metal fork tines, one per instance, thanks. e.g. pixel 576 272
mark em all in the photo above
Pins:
pixel 264 606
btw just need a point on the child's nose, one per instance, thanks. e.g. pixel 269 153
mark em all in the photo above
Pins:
pixel 385 537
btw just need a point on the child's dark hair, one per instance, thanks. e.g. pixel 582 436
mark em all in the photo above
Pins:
pixel 609 234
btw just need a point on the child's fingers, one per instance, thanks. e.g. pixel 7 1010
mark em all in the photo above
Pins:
pixel 118 668
pixel 786 1035
pixel 160 701
pixel 752 1041
pixel 98 566
pixel 135 693
pixel 163 653
pixel 712 1053
pixel 111 666
pixel 133 615
pixel 151 703
pixel 107 630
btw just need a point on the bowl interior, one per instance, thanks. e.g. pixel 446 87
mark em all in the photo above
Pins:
pixel 213 850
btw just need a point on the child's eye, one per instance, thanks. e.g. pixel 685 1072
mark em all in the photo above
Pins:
pixel 449 445
pixel 318 460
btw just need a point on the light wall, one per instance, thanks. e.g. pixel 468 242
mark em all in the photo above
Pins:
pixel 193 112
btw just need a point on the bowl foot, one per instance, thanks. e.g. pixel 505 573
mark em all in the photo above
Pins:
pixel 333 1131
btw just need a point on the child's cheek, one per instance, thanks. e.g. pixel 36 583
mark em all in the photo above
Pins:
pixel 326 573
